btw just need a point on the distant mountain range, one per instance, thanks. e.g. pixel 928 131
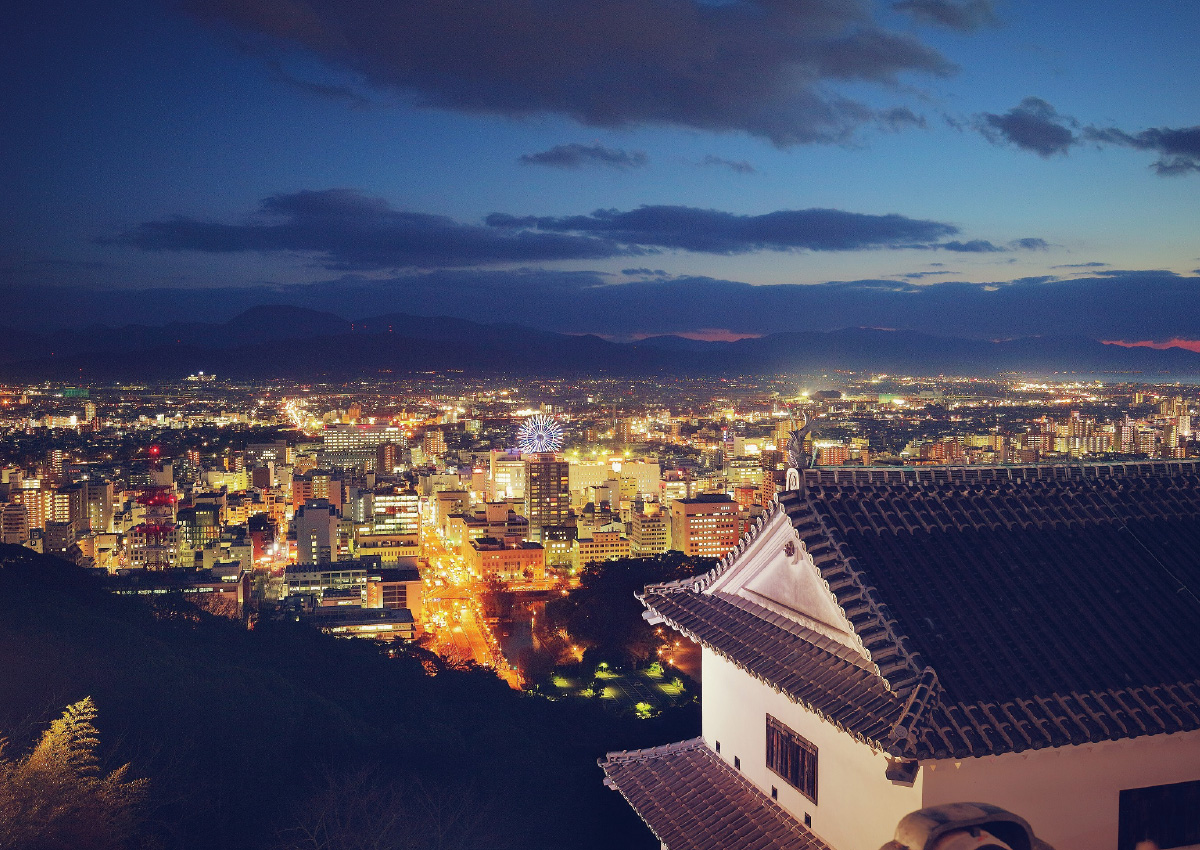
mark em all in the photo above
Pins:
pixel 293 342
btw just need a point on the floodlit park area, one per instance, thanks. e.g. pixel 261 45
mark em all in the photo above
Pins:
pixel 644 692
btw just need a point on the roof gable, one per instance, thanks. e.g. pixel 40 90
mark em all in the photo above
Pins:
pixel 774 571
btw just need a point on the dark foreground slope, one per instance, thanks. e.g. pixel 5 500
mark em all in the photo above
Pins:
pixel 244 735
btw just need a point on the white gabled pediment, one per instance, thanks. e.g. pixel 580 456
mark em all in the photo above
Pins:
pixel 775 572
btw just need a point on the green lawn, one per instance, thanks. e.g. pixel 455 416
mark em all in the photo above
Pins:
pixel 644 692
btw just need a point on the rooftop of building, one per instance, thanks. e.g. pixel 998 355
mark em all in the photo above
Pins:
pixel 368 562
pixel 996 609
pixel 692 800
pixel 394 575
pixel 351 615
pixel 484 544
pixel 705 499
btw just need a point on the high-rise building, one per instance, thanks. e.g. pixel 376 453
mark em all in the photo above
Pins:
pixel 100 496
pixel 649 534
pixel 607 545
pixel 705 526
pixel 316 484
pixel 60 537
pixel 507 475
pixel 395 511
pixel 317 524
pixel 547 492
pixel 31 495
pixel 54 463
pixel 396 588
pixel 357 446
pixel 645 472
pixel 387 458
pixel 154 544
pixel 675 484
pixel 14 523
pixel 433 442
pixel 199 525
pixel 743 471
pixel 68 504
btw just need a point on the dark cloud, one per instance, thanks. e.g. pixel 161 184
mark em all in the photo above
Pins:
pixel 644 272
pixel 325 91
pixel 761 66
pixel 1092 265
pixel 737 166
pixel 716 232
pixel 922 275
pixel 349 230
pixel 975 246
pixel 1037 126
pixel 21 261
pixel 1030 243
pixel 1034 125
pixel 901 118
pixel 1178 149
pixel 575 155
pixel 1128 272
pixel 964 16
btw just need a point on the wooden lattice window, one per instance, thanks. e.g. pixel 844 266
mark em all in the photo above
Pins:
pixel 792 757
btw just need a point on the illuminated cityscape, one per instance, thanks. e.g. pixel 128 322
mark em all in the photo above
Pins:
pixel 271 487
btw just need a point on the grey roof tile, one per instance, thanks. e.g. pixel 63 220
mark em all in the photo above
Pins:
pixel 692 800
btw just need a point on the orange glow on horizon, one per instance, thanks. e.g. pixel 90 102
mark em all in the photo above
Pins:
pixel 708 335
pixel 1174 342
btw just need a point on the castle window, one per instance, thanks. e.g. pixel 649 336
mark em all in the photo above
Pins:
pixel 792 757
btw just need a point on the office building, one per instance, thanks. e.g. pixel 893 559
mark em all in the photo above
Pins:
pixel 705 526
pixel 317 526
pixel 547 492
pixel 649 534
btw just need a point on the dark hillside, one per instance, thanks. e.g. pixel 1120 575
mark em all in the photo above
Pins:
pixel 241 732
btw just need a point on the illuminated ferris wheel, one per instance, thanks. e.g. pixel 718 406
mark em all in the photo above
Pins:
pixel 539 433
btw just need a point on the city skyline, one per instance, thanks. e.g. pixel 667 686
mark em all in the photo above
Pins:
pixel 926 162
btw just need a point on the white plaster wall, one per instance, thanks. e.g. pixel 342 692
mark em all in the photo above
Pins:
pixel 858 806
pixel 1069 795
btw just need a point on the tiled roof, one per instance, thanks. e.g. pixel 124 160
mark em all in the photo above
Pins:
pixel 812 670
pixel 1024 608
pixel 692 800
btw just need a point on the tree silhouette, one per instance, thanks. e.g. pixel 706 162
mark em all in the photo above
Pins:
pixel 58 797
pixel 361 810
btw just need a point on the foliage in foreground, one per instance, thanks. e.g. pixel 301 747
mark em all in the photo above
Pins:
pixel 57 796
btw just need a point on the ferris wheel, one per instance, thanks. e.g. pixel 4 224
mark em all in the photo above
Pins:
pixel 539 433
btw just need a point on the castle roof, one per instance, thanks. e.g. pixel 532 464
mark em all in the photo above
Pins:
pixel 987 609
pixel 692 800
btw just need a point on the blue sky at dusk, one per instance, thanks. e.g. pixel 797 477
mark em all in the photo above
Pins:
pixel 667 152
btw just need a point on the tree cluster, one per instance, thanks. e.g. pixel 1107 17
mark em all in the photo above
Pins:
pixel 602 614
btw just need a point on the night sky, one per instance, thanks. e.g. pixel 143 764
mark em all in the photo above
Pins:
pixel 624 167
